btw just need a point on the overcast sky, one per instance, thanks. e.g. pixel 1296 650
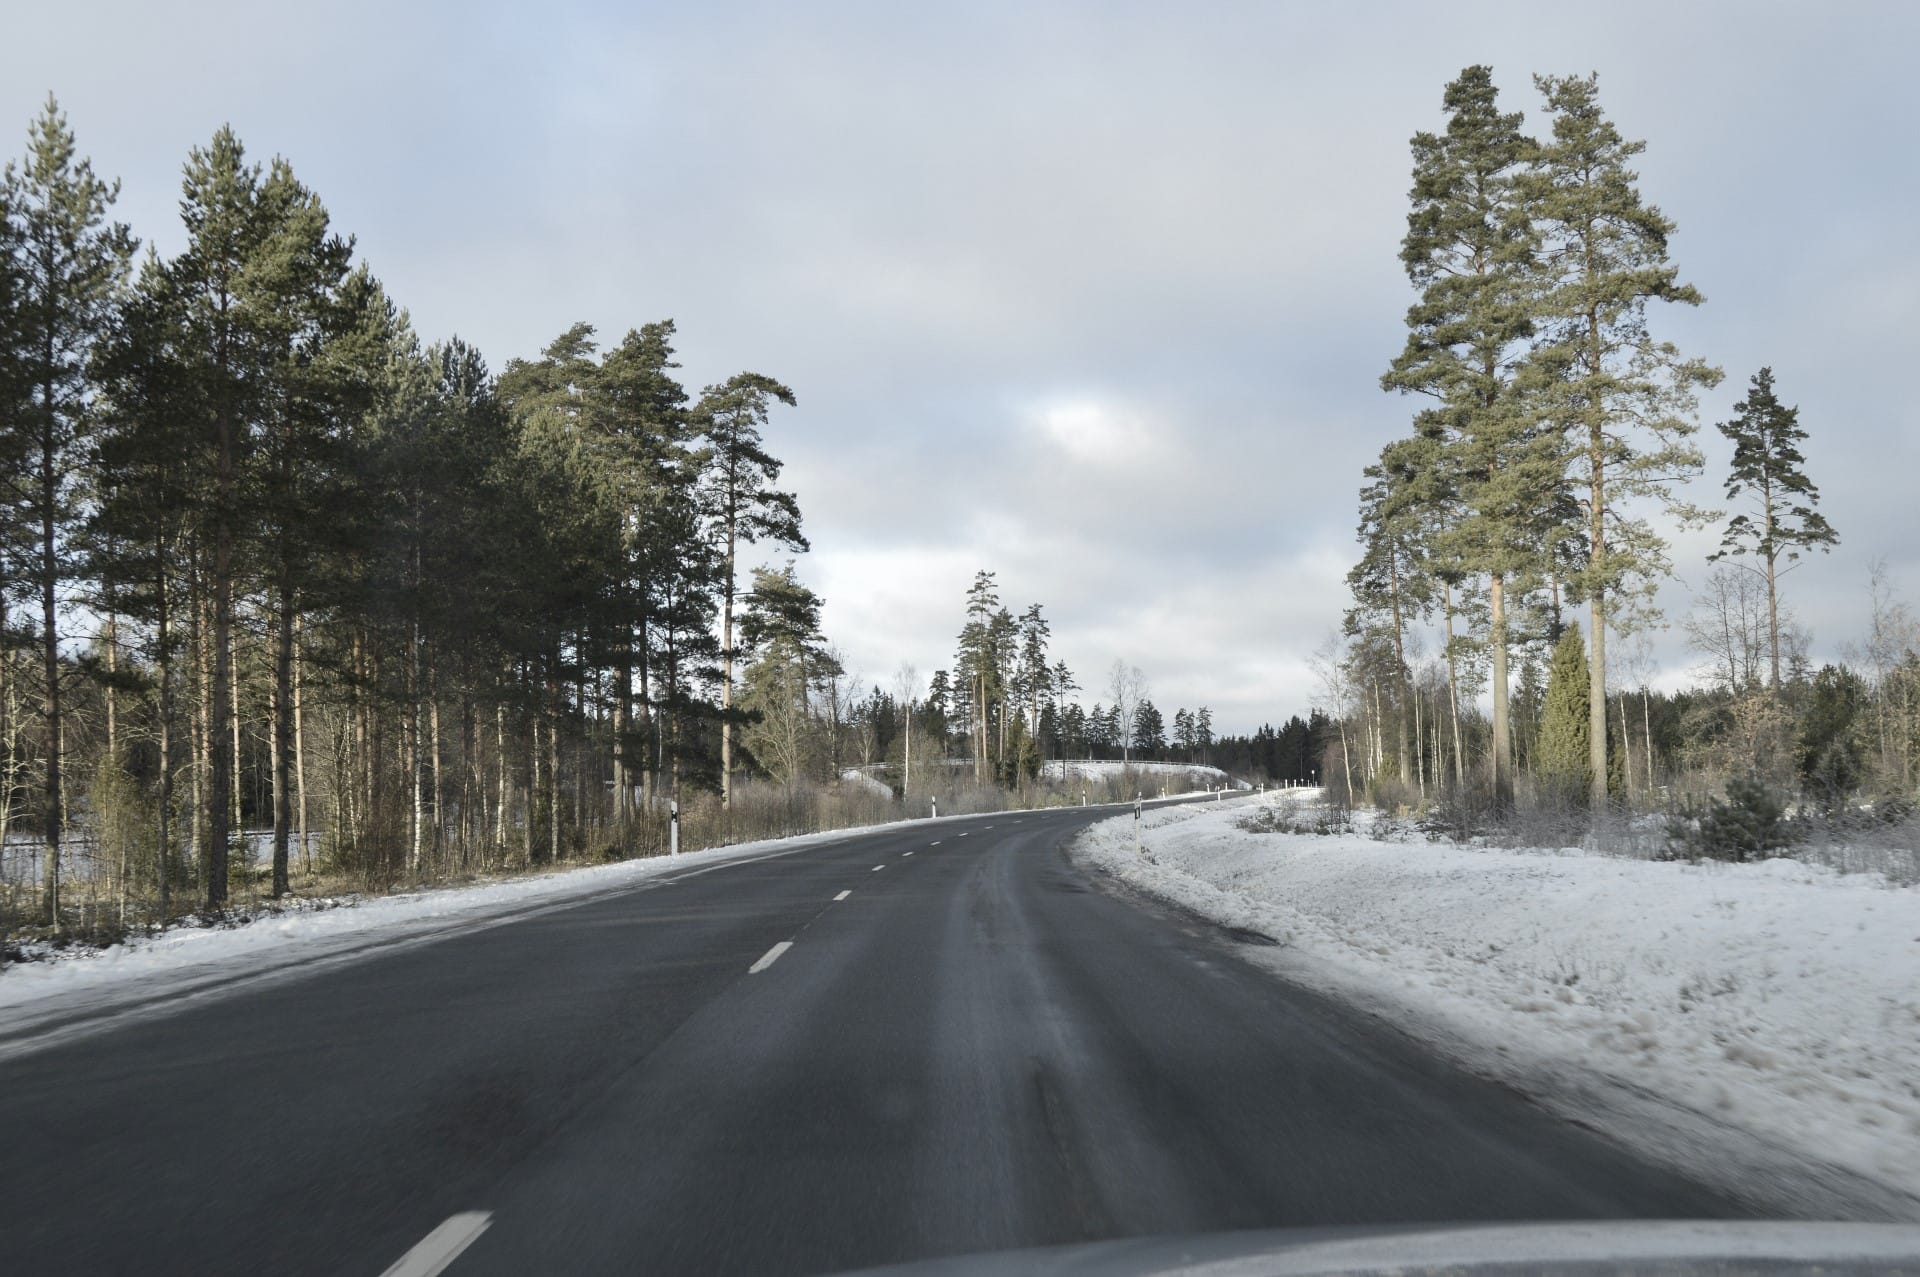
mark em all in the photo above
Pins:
pixel 1096 297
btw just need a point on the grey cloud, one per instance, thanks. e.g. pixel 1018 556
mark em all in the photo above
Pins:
pixel 938 227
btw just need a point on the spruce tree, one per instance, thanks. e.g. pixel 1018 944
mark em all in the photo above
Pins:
pixel 1623 401
pixel 1564 753
pixel 1767 463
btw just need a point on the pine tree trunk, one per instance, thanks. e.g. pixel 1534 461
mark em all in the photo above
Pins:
pixel 1596 558
pixel 1646 729
pixel 164 635
pixel 500 754
pixel 1402 677
pixel 1597 620
pixel 1453 691
pixel 726 680
pixel 200 620
pixel 50 654
pixel 435 815
pixel 1626 750
pixel 553 765
pixel 237 771
pixel 416 774
pixel 1502 727
pixel 283 736
pixel 300 754
pixel 533 779
pixel 622 725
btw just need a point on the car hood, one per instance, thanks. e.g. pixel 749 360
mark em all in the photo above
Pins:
pixel 1706 1247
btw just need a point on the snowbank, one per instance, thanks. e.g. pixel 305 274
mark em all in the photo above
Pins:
pixel 1759 1024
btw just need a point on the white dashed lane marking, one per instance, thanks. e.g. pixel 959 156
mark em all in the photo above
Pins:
pixel 441 1246
pixel 843 895
pixel 770 957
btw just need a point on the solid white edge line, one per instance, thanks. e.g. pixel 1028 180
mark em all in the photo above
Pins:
pixel 843 895
pixel 770 957
pixel 442 1246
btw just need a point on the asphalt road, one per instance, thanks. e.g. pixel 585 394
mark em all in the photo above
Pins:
pixel 966 1046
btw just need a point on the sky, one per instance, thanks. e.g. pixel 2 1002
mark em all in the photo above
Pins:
pixel 1095 297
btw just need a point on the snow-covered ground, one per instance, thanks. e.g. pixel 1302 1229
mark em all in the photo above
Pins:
pixel 1101 768
pixel 1756 1024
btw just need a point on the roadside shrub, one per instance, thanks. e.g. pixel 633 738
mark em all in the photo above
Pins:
pixel 1749 824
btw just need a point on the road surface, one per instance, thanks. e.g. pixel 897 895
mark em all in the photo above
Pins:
pixel 937 1040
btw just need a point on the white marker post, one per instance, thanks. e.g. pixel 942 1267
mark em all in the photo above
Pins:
pixel 673 828
pixel 936 809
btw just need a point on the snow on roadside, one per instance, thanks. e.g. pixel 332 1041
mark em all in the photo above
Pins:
pixel 1757 1024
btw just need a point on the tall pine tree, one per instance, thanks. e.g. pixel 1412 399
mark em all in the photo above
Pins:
pixel 1622 401
pixel 742 506
pixel 70 267
pixel 1468 250
pixel 1766 437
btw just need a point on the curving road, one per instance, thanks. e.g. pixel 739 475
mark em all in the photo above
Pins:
pixel 965 1045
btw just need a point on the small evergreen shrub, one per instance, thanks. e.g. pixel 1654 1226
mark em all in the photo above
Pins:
pixel 1749 824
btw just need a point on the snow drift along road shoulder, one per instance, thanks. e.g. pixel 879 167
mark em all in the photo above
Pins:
pixel 1757 1025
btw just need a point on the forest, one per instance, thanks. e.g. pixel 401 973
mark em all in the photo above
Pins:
pixel 1495 663
pixel 281 576
pixel 295 600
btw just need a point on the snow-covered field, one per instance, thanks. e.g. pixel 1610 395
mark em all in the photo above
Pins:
pixel 1101 768
pixel 1755 1024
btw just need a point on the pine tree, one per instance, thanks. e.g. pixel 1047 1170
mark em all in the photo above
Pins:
pixel 1767 463
pixel 1468 249
pixel 1391 584
pixel 304 328
pixel 742 506
pixel 220 205
pixel 780 633
pixel 648 459
pixel 70 266
pixel 977 667
pixel 1623 401
pixel 146 486
pixel 1564 754
pixel 1031 680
